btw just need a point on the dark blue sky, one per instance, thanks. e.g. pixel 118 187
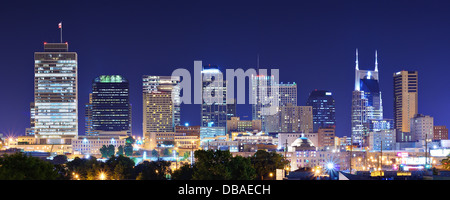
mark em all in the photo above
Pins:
pixel 312 43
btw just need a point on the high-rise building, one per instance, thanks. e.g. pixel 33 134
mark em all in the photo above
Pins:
pixel 111 109
pixel 288 94
pixel 323 108
pixel 296 119
pixel 405 101
pixel 422 128
pixel 55 94
pixel 366 102
pixel 265 94
pixel 269 94
pixel 214 104
pixel 161 103
pixel 88 128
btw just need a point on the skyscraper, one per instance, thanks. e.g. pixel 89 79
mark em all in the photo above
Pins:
pixel 88 128
pixel 214 105
pixel 55 108
pixel 111 109
pixel 405 101
pixel 422 128
pixel 366 102
pixel 288 94
pixel 161 103
pixel 323 108
pixel 296 119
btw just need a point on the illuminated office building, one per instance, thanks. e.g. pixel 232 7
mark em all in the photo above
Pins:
pixel 323 108
pixel 55 108
pixel 111 109
pixel 405 102
pixel 214 105
pixel 161 103
pixel 366 102
pixel 268 93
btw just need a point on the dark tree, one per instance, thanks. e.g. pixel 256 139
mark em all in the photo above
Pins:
pixel 267 162
pixel 19 166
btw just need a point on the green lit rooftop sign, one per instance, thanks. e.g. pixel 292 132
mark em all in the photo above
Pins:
pixel 110 79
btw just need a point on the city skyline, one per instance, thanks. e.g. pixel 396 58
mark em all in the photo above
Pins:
pixel 315 64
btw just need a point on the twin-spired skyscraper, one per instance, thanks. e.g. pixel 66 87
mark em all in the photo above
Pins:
pixel 366 102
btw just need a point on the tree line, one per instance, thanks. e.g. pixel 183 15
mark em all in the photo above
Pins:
pixel 208 165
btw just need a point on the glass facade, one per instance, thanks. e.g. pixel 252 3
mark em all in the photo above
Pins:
pixel 323 109
pixel 111 110
pixel 366 103
pixel 214 105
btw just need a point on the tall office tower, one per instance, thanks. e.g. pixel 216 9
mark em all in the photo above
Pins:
pixel 422 128
pixel 366 102
pixel 266 94
pixel 296 119
pixel 323 108
pixel 214 105
pixel 111 109
pixel 288 94
pixel 55 94
pixel 88 125
pixel 405 102
pixel 161 103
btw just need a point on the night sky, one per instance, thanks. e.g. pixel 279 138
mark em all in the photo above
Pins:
pixel 312 43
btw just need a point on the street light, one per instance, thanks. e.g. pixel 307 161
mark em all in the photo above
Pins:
pixel 102 176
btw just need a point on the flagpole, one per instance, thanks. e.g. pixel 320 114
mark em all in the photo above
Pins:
pixel 61 31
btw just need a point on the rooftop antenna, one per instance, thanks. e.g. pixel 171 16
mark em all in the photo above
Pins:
pixel 376 60
pixel 257 64
pixel 60 29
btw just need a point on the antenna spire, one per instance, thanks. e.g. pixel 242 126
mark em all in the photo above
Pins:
pixel 60 28
pixel 356 62
pixel 257 64
pixel 376 60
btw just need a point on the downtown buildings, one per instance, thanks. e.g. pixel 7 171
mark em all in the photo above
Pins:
pixel 109 111
pixel 323 108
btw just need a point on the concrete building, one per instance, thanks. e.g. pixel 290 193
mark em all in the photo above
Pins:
pixel 405 102
pixel 286 139
pixel 235 124
pixel 422 128
pixel 382 139
pixel 55 107
pixel 91 145
pixel 440 133
pixel 161 103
